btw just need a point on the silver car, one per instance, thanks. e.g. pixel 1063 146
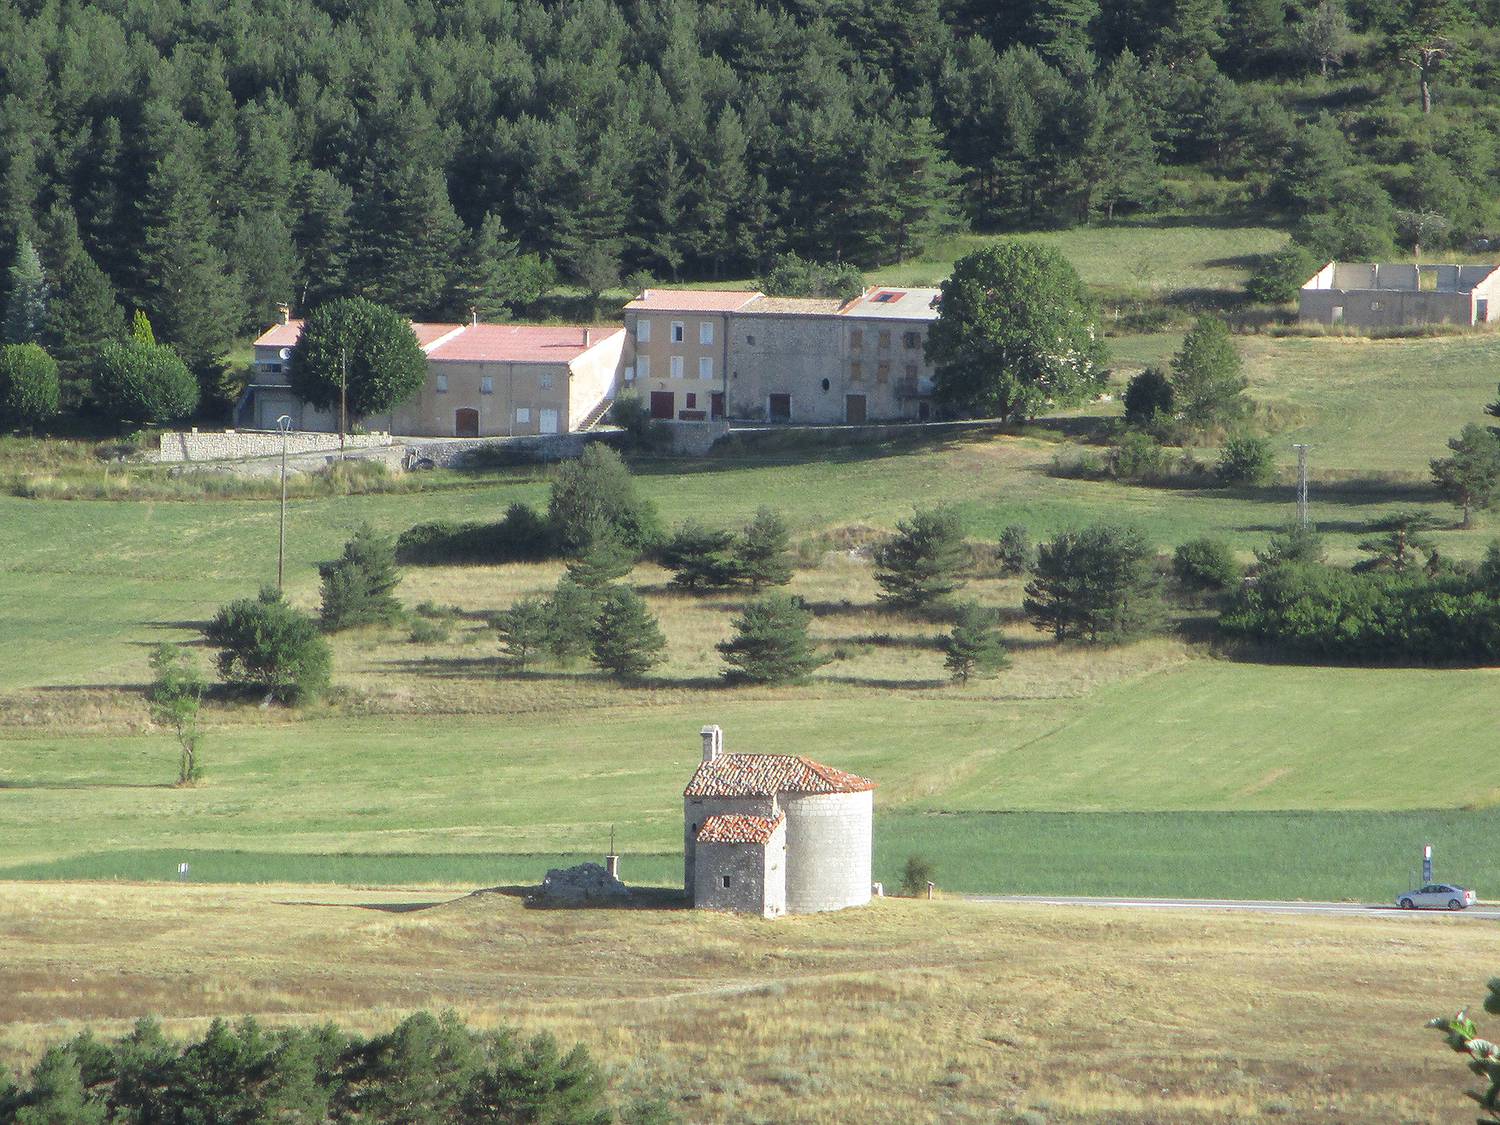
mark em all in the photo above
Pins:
pixel 1436 896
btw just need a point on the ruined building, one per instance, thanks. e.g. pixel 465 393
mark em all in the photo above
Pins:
pixel 775 834
pixel 1397 294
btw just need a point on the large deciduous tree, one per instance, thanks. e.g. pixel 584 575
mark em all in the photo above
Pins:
pixel 371 346
pixel 1016 332
pixel 137 381
pixel 267 645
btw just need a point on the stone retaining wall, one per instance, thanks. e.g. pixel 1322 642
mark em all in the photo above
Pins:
pixel 229 445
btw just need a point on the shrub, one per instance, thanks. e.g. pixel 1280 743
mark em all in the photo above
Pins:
pixel 136 381
pixel 770 643
pixel 596 491
pixel 1014 551
pixel 921 562
pixel 1280 276
pixel 265 644
pixel 1077 464
pixel 1148 397
pixel 1294 543
pixel 429 631
pixel 1206 564
pixel 627 642
pixel 357 586
pixel 1139 457
pixel 631 413
pixel 29 387
pixel 918 872
pixel 522 536
pixel 1245 460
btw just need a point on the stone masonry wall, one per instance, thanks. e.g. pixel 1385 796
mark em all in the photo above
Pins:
pixel 695 810
pixel 756 874
pixel 829 841
pixel 178 446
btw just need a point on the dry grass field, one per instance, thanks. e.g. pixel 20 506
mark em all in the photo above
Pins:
pixel 906 1011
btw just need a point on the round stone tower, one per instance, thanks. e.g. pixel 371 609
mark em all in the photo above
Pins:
pixel 829 838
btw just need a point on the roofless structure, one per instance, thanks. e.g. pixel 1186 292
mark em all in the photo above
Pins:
pixel 1396 294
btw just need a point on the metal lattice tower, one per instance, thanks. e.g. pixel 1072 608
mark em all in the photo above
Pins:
pixel 1301 484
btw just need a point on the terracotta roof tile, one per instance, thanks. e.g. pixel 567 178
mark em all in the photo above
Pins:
pixel 519 343
pixel 737 828
pixel 693 300
pixel 766 775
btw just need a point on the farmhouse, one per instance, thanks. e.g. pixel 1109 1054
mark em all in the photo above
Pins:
pixel 775 834
pixel 483 380
pixel 1387 295
pixel 698 354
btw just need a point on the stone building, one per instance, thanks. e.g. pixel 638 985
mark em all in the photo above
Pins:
pixel 1391 295
pixel 701 354
pixel 775 834
pixel 483 380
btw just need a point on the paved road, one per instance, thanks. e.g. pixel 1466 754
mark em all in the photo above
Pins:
pixel 1342 909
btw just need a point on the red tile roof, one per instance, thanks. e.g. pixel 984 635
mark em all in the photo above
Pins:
pixel 495 343
pixel 766 775
pixel 736 828
pixel 693 300
pixel 518 343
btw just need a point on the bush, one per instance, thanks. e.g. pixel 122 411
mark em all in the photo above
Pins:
pixel 1245 460
pixel 1014 551
pixel 1280 276
pixel 1294 543
pixel 597 491
pixel 1148 398
pixel 918 872
pixel 631 413
pixel 1077 464
pixel 770 643
pixel 265 644
pixel 1206 564
pixel 29 387
pixel 522 536
pixel 425 1069
pixel 140 382
pixel 357 587
pixel 429 631
pixel 1139 457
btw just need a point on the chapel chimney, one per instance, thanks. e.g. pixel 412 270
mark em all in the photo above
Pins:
pixel 473 316
pixel 588 336
pixel 713 743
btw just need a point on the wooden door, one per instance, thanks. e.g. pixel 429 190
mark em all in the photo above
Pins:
pixel 780 408
pixel 854 409
pixel 716 404
pixel 466 423
pixel 663 404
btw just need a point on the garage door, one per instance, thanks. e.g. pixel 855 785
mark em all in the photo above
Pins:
pixel 549 422
pixel 663 404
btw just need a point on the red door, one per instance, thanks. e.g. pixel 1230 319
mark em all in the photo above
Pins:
pixel 466 423
pixel 716 405
pixel 663 404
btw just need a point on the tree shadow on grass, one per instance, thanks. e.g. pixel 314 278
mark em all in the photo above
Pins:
pixel 891 640
pixel 70 785
pixel 1353 492
pixel 886 683
pixel 382 907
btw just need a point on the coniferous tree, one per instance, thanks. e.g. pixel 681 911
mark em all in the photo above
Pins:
pixel 1402 538
pixel 604 558
pixel 973 647
pixel 265 260
pixel 1096 585
pixel 1148 398
pixel 82 317
pixel 770 643
pixel 1326 36
pixel 185 279
pixel 492 278
pixel 920 564
pixel 321 235
pixel 627 642
pixel 359 586
pixel 26 296
pixel 701 558
pixel 1470 478
pixel 57 1095
pixel 1014 551
pixel 524 629
pixel 572 611
pixel 919 183
pixel 761 555
pixel 1060 30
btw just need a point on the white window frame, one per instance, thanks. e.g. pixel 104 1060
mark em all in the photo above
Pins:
pixel 705 367
pixel 643 330
pixel 677 367
pixel 679 332
pixel 705 332
pixel 440 384
pixel 486 384
pixel 523 415
pixel 643 367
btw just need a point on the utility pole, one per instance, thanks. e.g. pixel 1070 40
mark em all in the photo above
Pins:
pixel 284 424
pixel 1302 484
pixel 343 398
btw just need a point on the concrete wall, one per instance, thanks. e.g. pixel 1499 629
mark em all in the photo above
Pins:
pixel 596 376
pixel 829 841
pixel 756 875
pixel 216 446
pixel 1384 308
pixel 695 810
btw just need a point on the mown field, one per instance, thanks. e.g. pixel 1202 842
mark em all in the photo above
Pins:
pixel 906 1011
